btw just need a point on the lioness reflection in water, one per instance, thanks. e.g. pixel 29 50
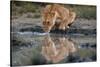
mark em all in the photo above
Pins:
pixel 55 49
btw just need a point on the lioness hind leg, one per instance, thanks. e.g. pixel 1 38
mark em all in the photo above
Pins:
pixel 70 24
pixel 72 16
pixel 63 24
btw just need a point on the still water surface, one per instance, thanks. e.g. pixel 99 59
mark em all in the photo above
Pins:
pixel 31 49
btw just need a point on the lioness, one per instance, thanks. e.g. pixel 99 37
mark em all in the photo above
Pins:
pixel 53 12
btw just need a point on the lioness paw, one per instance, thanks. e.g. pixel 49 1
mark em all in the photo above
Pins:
pixel 62 27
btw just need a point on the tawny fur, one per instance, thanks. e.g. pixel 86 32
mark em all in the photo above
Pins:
pixel 53 12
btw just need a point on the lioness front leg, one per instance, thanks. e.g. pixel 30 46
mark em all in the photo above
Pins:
pixel 63 24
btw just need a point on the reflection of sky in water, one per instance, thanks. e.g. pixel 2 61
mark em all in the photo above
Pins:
pixel 31 49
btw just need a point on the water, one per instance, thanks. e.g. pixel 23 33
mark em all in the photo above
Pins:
pixel 33 48
pixel 31 33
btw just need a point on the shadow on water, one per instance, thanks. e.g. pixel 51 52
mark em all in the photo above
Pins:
pixel 30 49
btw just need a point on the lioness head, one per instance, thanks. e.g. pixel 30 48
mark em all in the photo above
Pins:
pixel 48 21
